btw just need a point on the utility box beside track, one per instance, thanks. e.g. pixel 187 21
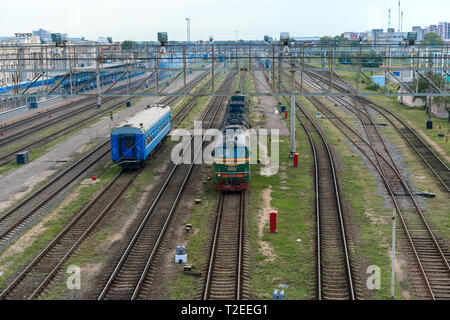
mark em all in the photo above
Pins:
pixel 22 157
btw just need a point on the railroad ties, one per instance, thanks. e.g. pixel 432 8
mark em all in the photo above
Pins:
pixel 427 251
pixel 132 276
pixel 227 274
pixel 45 268
pixel 334 270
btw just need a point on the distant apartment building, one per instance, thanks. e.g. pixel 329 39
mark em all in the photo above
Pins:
pixel 14 57
pixel 28 50
pixel 431 28
pixel 391 37
pixel 419 31
pixel 305 39
pixel 444 30
pixel 351 35
pixel 43 35
pixel 373 35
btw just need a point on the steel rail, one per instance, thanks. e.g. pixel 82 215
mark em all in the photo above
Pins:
pixel 317 202
pixel 172 209
pixel 91 227
pixel 241 247
pixel 415 202
pixel 61 175
pixel 337 199
pixel 399 211
pixel 143 222
pixel 382 110
pixel 215 243
pixel 214 246
pixel 4 159
pixel 47 198
pixel 16 281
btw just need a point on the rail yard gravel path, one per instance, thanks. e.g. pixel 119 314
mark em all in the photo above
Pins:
pixel 268 106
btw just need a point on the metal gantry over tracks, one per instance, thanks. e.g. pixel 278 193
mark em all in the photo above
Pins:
pixel 43 70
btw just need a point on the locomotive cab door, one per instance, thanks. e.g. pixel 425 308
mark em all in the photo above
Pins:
pixel 127 147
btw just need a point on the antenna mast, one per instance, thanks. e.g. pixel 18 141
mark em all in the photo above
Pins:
pixel 389 19
pixel 188 31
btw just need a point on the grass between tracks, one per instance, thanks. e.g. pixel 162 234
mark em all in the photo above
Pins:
pixel 370 214
pixel 89 146
pixel 97 248
pixel 284 260
pixel 10 263
pixel 38 152
pixel 436 209
pixel 181 286
pixel 414 117
pixel 291 262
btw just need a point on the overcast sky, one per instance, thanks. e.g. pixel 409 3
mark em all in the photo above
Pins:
pixel 141 20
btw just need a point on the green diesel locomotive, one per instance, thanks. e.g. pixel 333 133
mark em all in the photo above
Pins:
pixel 232 153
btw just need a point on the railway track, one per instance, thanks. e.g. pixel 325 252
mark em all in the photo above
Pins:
pixel 30 122
pixel 428 251
pixel 9 154
pixel 31 281
pixel 29 210
pixel 439 169
pixel 133 274
pixel 37 275
pixel 227 276
pixel 24 127
pixel 334 272
pixel 335 278
pixel 243 82
pixel 33 207
pixel 180 116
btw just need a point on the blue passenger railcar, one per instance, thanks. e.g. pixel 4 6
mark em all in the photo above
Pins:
pixel 132 143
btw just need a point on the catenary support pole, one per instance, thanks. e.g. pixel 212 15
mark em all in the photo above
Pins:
pixel 292 125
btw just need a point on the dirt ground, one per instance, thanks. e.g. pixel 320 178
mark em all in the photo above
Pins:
pixel 268 106
pixel 264 246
